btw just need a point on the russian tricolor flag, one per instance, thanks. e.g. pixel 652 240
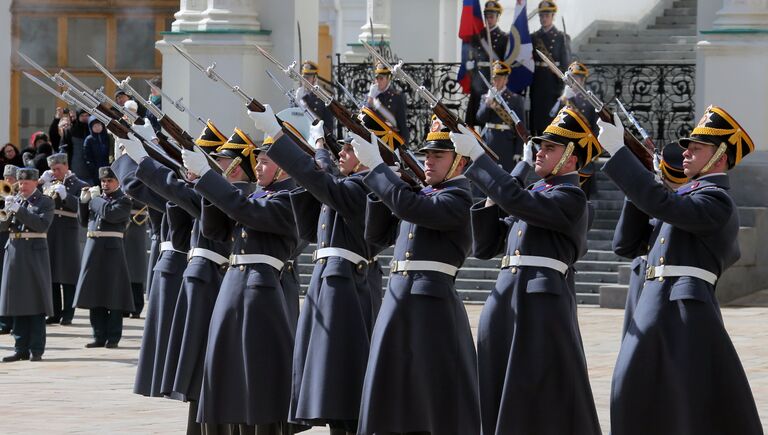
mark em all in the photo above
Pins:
pixel 471 24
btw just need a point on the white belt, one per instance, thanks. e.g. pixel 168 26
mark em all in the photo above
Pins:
pixel 534 261
pixel 483 63
pixel 497 126
pixel 65 213
pixel 242 259
pixel 665 271
pixel 424 266
pixel 544 64
pixel 28 235
pixel 168 246
pixel 208 255
pixel 95 234
pixel 339 252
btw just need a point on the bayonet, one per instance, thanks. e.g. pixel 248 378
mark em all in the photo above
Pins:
pixel 518 123
pixel 176 103
pixel 359 104
pixel 631 118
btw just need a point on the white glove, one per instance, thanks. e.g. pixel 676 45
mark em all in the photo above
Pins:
pixel 373 91
pixel 146 131
pixel 367 152
pixel 61 190
pixel 94 191
pixel 133 147
pixel 656 163
pixel 568 93
pixel 488 97
pixel 300 93
pixel 470 65
pixel 85 195
pixel 528 153
pixel 611 136
pixel 466 143
pixel 46 178
pixel 195 162
pixel 265 121
pixel 11 205
pixel 316 132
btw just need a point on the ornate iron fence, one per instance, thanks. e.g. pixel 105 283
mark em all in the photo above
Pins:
pixel 661 96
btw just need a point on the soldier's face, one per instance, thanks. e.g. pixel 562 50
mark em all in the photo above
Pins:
pixel 311 78
pixel 546 18
pixel 59 171
pixel 382 81
pixel 27 187
pixel 547 158
pixel 265 170
pixel 499 82
pixel 491 18
pixel 109 185
pixel 9 179
pixel 696 156
pixel 347 160
pixel 436 166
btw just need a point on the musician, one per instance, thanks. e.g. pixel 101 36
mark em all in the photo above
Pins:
pixel 104 284
pixel 676 334
pixel 529 345
pixel 310 101
pixel 63 235
pixel 207 262
pixel 136 254
pixel 388 103
pixel 635 230
pixel 248 385
pixel 498 128
pixel 422 370
pixel 332 340
pixel 482 55
pixel 9 176
pixel 546 86
pixel 25 290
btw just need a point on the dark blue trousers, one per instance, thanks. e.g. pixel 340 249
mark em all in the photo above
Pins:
pixel 29 333
pixel 66 311
pixel 107 325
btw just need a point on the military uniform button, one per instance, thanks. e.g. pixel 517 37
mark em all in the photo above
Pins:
pixel 243 234
pixel 322 244
pixel 232 238
pixel 407 254
pixel 410 235
pixel 242 267
pixel 405 273
pixel 360 266
pixel 661 260
pixel 242 251
pixel 519 233
pixel 662 240
pixel 517 252
pixel 321 261
pixel 322 227
pixel 513 270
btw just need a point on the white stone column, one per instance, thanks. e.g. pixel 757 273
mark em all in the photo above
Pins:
pixel 5 73
pixel 378 13
pixel 230 15
pixel 731 65
pixel 189 15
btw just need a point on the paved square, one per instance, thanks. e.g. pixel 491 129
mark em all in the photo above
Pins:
pixel 78 390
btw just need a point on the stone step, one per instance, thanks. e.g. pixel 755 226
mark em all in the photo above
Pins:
pixel 632 47
pixel 587 299
pixel 602 255
pixel 593 276
pixel 592 56
pixel 607 214
pixel 676 20
pixel 604 224
pixel 645 38
pixel 600 234
pixel 619 33
pixel 608 194
pixel 588 287
pixel 597 266
pixel 672 27
pixel 602 245
pixel 684 4
pixel 680 12
pixel 607 204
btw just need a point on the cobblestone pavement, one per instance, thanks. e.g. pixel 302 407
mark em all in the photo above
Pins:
pixel 78 390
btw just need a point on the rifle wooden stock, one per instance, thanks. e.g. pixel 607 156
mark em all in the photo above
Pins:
pixel 122 131
pixel 172 150
pixel 353 125
pixel 522 132
pixel 183 138
pixel 631 142
pixel 452 122
pixel 330 142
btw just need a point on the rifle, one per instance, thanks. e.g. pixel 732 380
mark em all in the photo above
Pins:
pixel 359 104
pixel 411 169
pixel 641 151
pixel 438 108
pixel 183 138
pixel 516 121
pixel 250 103
pixel 631 118
pixel 330 139
pixel 176 103
pixel 118 128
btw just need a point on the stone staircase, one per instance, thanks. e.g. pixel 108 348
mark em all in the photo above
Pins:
pixel 599 267
pixel 671 38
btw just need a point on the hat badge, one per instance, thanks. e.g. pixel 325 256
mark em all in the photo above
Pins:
pixel 435 126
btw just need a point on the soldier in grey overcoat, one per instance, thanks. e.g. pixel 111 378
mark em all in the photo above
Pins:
pixel 333 335
pixel 676 336
pixel 63 235
pixel 421 375
pixel 136 247
pixel 529 347
pixel 104 286
pixel 248 385
pixel 25 291
pixel 9 176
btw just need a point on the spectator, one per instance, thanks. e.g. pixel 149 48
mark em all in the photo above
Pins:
pixel 157 100
pixel 96 149
pixel 72 141
pixel 11 155
pixel 61 123
pixel 35 140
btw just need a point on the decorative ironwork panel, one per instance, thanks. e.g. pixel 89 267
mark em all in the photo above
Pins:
pixel 661 96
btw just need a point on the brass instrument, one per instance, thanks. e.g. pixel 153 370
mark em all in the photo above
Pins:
pixel 7 189
pixel 50 189
pixel 138 219
pixel 5 215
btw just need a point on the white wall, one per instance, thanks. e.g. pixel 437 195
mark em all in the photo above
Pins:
pixel 5 71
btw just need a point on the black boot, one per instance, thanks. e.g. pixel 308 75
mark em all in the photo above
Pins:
pixel 18 356
pixel 95 344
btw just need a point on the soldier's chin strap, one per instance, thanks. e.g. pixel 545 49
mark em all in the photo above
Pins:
pixel 566 155
pixel 715 157
pixel 454 165
pixel 278 174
